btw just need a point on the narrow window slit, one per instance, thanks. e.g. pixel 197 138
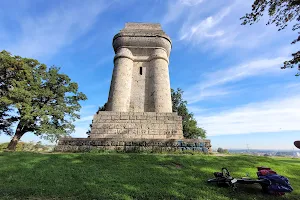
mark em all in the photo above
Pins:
pixel 141 71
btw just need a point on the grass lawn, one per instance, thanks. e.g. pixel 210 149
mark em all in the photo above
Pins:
pixel 133 176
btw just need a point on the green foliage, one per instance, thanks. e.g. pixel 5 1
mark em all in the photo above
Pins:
pixel 190 128
pixel 43 100
pixel 19 146
pixel 29 146
pixel 221 150
pixel 134 176
pixel 102 108
pixel 6 119
pixel 281 12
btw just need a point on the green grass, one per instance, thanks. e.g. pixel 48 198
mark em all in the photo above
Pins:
pixel 133 176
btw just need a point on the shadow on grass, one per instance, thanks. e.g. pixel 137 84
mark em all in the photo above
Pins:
pixel 132 176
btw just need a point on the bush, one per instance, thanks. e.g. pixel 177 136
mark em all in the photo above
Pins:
pixel 221 150
pixel 29 146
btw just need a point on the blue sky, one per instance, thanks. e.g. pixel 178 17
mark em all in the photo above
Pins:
pixel 230 73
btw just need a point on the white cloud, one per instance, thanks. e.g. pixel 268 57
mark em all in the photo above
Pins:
pixel 253 68
pixel 215 25
pixel 191 2
pixel 45 35
pixel 203 29
pixel 274 115
pixel 195 94
pixel 176 9
pixel 212 84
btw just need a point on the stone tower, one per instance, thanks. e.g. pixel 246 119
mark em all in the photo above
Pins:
pixel 138 114
pixel 140 81
pixel 139 104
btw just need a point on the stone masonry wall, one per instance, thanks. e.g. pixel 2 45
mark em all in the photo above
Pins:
pixel 132 145
pixel 144 125
pixel 139 88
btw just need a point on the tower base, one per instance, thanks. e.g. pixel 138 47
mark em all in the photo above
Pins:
pixel 132 145
pixel 136 125
pixel 134 132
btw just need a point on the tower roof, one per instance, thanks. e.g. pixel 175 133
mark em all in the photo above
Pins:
pixel 142 35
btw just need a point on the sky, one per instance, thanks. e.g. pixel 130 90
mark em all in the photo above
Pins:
pixel 230 74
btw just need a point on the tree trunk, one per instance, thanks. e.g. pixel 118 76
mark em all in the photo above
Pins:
pixel 14 141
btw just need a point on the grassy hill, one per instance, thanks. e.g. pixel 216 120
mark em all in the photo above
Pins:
pixel 133 176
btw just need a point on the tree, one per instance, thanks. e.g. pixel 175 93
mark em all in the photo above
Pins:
pixel 190 128
pixel 36 99
pixel 281 12
pixel 6 120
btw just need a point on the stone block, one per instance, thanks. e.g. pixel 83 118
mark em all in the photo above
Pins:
pixel 112 131
pixel 106 136
pixel 108 113
pixel 130 126
pixel 133 131
pixel 122 132
pixel 160 118
pixel 150 114
pixel 178 118
pixel 151 118
pixel 154 132
pixel 99 126
pixel 105 117
pixel 171 126
pixel 139 121
pixel 132 117
pixel 120 125
pixel 137 113
pixel 143 117
pixel 94 132
pixel 115 117
pixel 115 120
pixel 169 121
pixel 124 117
pixel 163 126
pixel 145 126
pixel 179 125
pixel 96 118
pixel 155 126
pixel 143 132
pixel 154 121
